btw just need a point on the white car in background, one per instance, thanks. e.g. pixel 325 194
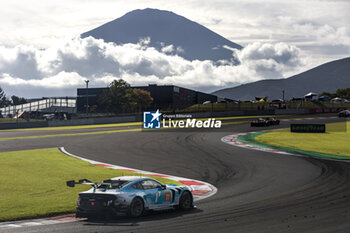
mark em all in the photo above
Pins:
pixel 344 113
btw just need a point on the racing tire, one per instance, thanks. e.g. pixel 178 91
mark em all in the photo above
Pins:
pixel 136 208
pixel 185 201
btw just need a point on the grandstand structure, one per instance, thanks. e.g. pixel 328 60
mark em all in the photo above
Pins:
pixel 45 105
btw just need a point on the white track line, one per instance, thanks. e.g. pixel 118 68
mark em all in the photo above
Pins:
pixel 200 189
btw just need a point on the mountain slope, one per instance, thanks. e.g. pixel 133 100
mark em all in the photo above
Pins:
pixel 190 40
pixel 327 77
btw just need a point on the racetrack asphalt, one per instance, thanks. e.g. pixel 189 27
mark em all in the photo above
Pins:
pixel 257 191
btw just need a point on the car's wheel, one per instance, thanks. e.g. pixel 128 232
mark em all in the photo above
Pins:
pixel 185 201
pixel 136 208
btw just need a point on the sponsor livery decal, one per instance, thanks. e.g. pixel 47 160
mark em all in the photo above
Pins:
pixel 167 196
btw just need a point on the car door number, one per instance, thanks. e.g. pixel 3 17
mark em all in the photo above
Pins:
pixel 167 196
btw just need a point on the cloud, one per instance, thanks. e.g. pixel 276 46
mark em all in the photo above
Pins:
pixel 61 69
pixel 61 80
pixel 168 49
pixel 325 34
pixel 20 61
pixel 270 60
pixel 319 28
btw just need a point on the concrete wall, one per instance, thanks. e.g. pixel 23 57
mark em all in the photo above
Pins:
pixel 60 109
pixel 291 111
pixel 22 125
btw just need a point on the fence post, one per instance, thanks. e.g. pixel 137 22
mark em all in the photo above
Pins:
pixel 17 120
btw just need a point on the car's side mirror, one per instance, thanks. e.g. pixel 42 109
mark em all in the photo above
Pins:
pixel 163 186
pixel 71 183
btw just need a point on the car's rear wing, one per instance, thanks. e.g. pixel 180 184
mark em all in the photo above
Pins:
pixel 72 183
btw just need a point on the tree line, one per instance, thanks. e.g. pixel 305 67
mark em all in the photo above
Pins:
pixel 14 100
pixel 120 97
pixel 341 93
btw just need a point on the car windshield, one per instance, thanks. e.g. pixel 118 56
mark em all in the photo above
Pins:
pixel 113 184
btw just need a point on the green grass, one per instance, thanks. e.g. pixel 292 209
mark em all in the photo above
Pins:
pixel 33 182
pixel 334 142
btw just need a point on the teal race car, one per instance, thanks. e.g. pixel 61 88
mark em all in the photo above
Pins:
pixel 131 196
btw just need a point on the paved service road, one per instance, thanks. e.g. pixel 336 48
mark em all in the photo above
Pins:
pixel 257 191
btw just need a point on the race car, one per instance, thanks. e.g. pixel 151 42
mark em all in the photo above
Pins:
pixel 344 113
pixel 272 121
pixel 258 122
pixel 264 122
pixel 129 195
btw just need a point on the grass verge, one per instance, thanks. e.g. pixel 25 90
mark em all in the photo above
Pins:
pixel 334 142
pixel 33 182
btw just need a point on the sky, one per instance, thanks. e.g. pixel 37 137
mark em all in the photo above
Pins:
pixel 41 53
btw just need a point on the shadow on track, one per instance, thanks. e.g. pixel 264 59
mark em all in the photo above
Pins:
pixel 148 216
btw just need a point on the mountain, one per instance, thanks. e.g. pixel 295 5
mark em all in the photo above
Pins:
pixel 327 77
pixel 190 40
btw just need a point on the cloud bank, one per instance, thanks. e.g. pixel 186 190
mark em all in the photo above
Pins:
pixel 31 72
pixel 320 28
